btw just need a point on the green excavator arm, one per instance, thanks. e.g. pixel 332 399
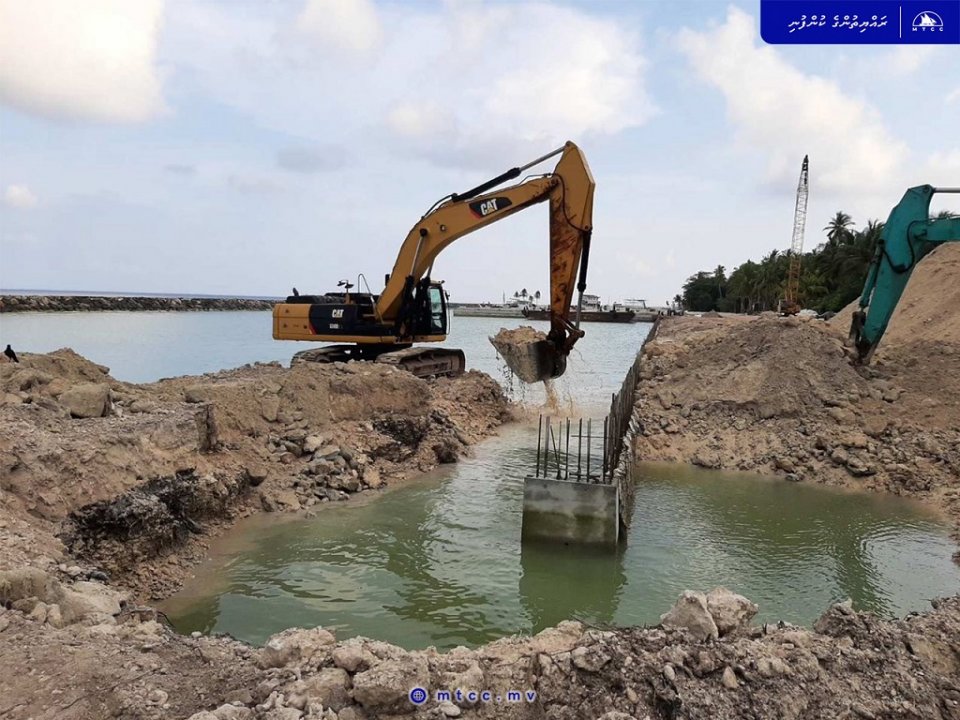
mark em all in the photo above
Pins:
pixel 908 236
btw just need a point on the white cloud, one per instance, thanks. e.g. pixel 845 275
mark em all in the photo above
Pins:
pixel 905 60
pixel 252 184
pixel 953 96
pixel 457 83
pixel 414 119
pixel 942 169
pixel 309 160
pixel 20 197
pixel 92 59
pixel 579 71
pixel 783 113
pixel 351 25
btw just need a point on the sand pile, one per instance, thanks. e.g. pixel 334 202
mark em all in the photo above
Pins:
pixel 929 309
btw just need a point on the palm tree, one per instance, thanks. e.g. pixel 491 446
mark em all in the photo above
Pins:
pixel 837 229
pixel 741 285
pixel 856 255
pixel 720 276
pixel 770 279
pixel 536 296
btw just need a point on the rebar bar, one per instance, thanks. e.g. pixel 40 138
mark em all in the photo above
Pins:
pixel 539 429
pixel 603 471
pixel 579 447
pixel 589 439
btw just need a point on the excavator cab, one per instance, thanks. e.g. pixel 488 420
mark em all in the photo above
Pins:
pixel 431 309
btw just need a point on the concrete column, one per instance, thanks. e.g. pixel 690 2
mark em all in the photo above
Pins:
pixel 570 511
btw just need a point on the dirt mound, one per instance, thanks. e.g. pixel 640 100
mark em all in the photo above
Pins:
pixel 779 368
pixel 780 395
pixel 303 436
pixel 929 309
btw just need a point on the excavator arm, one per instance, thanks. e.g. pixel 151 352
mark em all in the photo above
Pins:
pixel 908 236
pixel 412 308
pixel 569 190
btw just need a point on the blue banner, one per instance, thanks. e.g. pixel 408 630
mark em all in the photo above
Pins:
pixel 860 22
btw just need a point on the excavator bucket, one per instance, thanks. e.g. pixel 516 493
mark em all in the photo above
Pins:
pixel 529 355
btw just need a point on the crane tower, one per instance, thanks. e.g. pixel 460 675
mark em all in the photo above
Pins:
pixel 791 305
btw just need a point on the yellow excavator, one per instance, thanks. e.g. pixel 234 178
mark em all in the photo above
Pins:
pixel 412 308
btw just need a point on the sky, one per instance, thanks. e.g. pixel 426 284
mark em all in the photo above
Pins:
pixel 244 147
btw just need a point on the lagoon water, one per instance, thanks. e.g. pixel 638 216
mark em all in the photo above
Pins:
pixel 147 346
pixel 439 560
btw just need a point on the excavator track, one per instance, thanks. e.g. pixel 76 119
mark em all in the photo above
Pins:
pixel 427 362
pixel 423 362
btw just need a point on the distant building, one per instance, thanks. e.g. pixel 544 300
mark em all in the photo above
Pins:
pixel 591 302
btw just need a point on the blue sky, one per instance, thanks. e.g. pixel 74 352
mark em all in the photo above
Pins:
pixel 247 147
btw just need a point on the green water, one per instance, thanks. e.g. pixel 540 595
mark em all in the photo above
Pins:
pixel 439 561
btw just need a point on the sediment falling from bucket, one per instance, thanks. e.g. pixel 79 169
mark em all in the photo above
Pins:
pixel 525 351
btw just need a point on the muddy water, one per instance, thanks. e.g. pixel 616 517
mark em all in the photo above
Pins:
pixel 439 562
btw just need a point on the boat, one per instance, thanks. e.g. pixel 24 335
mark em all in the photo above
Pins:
pixel 616 315
pixel 497 311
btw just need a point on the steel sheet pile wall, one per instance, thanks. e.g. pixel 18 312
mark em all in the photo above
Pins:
pixel 622 426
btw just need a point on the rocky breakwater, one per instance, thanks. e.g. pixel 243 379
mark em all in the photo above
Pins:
pixel 704 661
pixel 96 303
pixel 128 480
pixel 781 395
pixel 87 651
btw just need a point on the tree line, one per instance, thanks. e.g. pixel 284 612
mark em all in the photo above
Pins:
pixel 831 275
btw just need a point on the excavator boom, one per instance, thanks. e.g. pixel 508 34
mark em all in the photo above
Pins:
pixel 401 314
pixel 908 235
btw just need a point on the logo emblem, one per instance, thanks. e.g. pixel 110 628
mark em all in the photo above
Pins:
pixel 928 20
pixel 483 208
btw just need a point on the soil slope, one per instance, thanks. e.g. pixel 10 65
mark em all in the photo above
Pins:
pixel 81 453
pixel 781 395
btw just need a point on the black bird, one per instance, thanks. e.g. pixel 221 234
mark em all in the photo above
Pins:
pixel 295 293
pixel 11 354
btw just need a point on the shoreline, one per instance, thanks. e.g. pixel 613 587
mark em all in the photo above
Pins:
pixel 126 303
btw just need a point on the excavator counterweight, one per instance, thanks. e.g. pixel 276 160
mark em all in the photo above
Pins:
pixel 412 308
